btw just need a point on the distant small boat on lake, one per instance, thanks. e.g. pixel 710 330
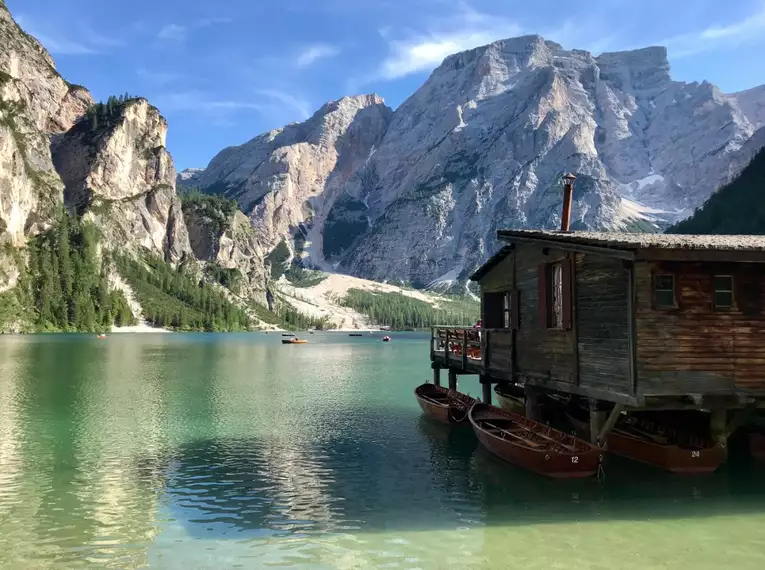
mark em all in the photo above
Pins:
pixel 294 341
pixel 533 446
pixel 101 337
pixel 447 406
pixel 386 339
pixel 288 334
pixel 356 334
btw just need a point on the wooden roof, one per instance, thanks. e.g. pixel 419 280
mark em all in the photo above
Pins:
pixel 633 241
pixel 631 246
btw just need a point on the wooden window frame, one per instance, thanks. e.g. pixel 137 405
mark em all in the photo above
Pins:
pixel 732 292
pixel 511 306
pixel 545 282
pixel 654 290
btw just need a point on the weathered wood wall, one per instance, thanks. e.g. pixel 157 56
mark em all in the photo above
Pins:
pixel 602 318
pixel 694 348
pixel 541 353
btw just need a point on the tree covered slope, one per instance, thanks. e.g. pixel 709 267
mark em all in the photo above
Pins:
pixel 738 208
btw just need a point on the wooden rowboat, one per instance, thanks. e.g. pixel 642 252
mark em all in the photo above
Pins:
pixel 647 441
pixel 294 341
pixel 447 406
pixel 533 446
pixel 511 398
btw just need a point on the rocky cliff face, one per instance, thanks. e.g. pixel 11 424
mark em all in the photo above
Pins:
pixel 482 145
pixel 119 174
pixel 288 180
pixel 34 102
pixel 228 240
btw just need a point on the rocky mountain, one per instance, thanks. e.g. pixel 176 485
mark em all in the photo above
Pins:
pixel 288 180
pixel 481 146
pixel 35 102
pixel 118 173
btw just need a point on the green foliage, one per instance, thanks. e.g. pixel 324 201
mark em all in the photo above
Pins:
pixel 277 258
pixel 178 299
pixel 101 116
pixel 400 311
pixel 67 283
pixel 301 277
pixel 229 278
pixel 737 208
pixel 217 210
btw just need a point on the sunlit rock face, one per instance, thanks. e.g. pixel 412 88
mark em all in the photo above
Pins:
pixel 417 195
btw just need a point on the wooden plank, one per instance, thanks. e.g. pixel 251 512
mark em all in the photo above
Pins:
pixel 543 301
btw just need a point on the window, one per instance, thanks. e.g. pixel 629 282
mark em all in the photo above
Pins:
pixel 664 291
pixel 555 303
pixel 556 321
pixel 507 303
pixel 723 295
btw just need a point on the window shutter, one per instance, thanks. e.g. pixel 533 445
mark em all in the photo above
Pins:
pixel 515 314
pixel 542 295
pixel 567 300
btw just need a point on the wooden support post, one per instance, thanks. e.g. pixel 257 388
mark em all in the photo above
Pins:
pixel 486 390
pixel 452 380
pixel 436 375
pixel 718 424
pixel 532 403
pixel 597 421
pixel 613 417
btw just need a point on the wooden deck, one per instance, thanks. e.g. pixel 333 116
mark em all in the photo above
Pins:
pixel 459 348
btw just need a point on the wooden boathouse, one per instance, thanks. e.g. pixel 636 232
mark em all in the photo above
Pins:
pixel 623 321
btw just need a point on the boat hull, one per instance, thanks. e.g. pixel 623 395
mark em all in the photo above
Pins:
pixel 672 458
pixel 582 461
pixel 452 410
pixel 510 402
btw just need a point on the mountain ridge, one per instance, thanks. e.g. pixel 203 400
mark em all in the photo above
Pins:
pixel 481 145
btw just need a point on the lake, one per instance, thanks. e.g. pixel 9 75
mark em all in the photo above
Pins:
pixel 233 451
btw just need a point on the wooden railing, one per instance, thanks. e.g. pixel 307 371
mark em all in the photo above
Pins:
pixel 458 344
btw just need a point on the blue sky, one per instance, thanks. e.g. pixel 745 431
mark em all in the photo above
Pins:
pixel 225 71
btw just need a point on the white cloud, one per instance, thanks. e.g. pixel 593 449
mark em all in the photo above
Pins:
pixel 179 32
pixel 312 54
pixel 54 43
pixel 421 52
pixel 748 30
pixel 173 32
pixel 157 77
pixel 302 106
pixel 200 102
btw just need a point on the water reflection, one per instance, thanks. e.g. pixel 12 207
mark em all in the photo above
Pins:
pixel 179 451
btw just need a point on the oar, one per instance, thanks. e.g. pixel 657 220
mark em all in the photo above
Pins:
pixel 433 400
pixel 526 441
pixel 548 438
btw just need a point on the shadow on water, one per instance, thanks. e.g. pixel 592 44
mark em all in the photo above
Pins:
pixel 439 479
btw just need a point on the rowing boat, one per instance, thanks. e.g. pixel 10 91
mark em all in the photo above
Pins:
pixel 294 341
pixel 447 406
pixel 511 398
pixel 644 439
pixel 533 446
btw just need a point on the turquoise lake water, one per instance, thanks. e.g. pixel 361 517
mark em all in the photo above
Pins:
pixel 233 451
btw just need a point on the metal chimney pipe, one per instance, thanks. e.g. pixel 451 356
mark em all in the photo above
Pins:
pixel 568 192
